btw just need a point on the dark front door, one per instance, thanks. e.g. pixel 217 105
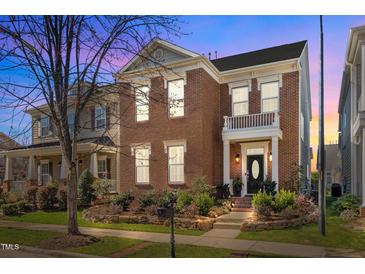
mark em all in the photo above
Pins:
pixel 255 173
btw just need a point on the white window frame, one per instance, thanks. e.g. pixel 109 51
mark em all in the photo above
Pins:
pixel 100 117
pixel 139 102
pixel 42 175
pixel 176 164
pixel 45 127
pixel 240 102
pixel 270 98
pixel 137 164
pixel 103 174
pixel 171 115
pixel 71 125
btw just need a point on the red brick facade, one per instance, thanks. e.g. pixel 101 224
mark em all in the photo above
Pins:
pixel 206 102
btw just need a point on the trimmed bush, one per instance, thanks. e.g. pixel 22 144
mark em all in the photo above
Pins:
pixel 204 202
pixel 47 197
pixel 283 199
pixel 184 199
pixel 167 199
pixel 147 199
pixel 304 205
pixel 123 200
pixel 346 202
pixel 199 185
pixel 86 189
pixel 14 209
pixel 24 206
pixel 262 204
pixel 31 196
pixel 3 197
pixel 102 187
pixel 62 200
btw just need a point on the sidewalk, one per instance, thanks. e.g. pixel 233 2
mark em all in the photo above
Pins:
pixel 210 239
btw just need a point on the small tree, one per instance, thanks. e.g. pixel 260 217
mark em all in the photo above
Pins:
pixel 85 188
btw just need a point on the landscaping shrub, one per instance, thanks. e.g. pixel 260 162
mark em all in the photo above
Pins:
pixel 184 199
pixel 304 205
pixel 147 199
pixel 222 191
pixel 269 187
pixel 289 212
pixel 86 189
pixel 349 215
pixel 167 199
pixel 31 196
pixel 62 200
pixel 283 199
pixel 204 202
pixel 262 204
pixel 47 197
pixel 123 200
pixel 346 202
pixel 102 187
pixel 3 197
pixel 24 206
pixel 199 185
pixel 14 209
pixel 151 210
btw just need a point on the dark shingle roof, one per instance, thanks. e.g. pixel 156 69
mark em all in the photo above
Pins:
pixel 258 57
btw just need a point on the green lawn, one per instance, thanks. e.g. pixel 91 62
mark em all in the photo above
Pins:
pixel 337 235
pixel 60 218
pixel 107 246
pixel 24 236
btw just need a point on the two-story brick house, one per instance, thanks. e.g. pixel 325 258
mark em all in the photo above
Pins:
pixel 97 147
pixel 245 116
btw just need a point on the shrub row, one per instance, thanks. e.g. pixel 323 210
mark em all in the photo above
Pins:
pixel 16 208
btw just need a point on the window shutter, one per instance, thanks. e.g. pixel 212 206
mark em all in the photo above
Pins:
pixel 107 113
pixel 108 168
pixel 92 110
pixel 50 166
pixel 39 174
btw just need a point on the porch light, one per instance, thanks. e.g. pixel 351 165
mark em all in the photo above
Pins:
pixel 270 157
pixel 237 158
pixel 59 163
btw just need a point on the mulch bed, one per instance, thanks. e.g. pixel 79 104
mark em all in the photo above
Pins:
pixel 68 241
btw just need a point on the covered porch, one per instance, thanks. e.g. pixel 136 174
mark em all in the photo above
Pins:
pixel 251 150
pixel 45 164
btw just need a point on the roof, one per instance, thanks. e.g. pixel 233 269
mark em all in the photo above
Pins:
pixel 103 140
pixel 7 142
pixel 259 57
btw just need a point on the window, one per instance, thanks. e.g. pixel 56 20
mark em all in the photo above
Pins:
pixel 102 171
pixel 44 173
pixel 142 165
pixel 176 98
pixel 240 101
pixel 100 117
pixel 270 97
pixel 142 100
pixel 176 164
pixel 71 122
pixel 44 126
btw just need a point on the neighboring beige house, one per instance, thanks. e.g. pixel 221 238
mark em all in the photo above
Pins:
pixel 97 148
pixel 333 165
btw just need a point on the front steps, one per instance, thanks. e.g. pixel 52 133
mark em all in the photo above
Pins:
pixel 241 204
pixel 232 220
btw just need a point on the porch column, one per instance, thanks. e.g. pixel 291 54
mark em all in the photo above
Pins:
pixel 63 171
pixel 226 162
pixel 275 160
pixel 362 210
pixel 362 97
pixel 94 164
pixel 8 169
pixel 32 169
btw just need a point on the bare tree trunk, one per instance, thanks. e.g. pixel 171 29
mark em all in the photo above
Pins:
pixel 73 228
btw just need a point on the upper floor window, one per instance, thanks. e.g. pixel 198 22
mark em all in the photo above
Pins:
pixel 270 97
pixel 44 126
pixel 240 101
pixel 176 98
pixel 71 122
pixel 100 117
pixel 176 164
pixel 142 103
pixel 142 156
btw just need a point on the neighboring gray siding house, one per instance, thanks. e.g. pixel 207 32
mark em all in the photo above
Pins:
pixel 352 116
pixel 332 173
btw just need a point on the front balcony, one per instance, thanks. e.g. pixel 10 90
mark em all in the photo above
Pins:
pixel 260 125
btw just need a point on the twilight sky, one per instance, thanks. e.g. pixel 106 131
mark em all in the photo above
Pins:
pixel 236 34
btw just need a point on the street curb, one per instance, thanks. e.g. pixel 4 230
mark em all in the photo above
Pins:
pixel 56 253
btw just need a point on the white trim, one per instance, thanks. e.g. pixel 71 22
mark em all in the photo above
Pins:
pixel 244 147
pixel 168 143
pixel 140 145
pixel 173 77
pixel 270 78
pixel 256 133
pixel 96 118
pixel 237 84
pixel 268 98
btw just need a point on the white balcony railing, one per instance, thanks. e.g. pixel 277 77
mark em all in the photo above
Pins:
pixel 259 120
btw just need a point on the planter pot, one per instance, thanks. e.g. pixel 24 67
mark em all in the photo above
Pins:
pixel 237 191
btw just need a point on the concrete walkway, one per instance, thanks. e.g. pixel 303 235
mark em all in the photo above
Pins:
pixel 210 239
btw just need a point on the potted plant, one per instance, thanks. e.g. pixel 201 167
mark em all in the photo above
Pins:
pixel 237 187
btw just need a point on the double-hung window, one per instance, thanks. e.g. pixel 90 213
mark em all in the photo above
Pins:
pixel 239 101
pixel 176 164
pixel 71 122
pixel 176 98
pixel 100 117
pixel 44 173
pixel 102 170
pixel 142 103
pixel 142 158
pixel 270 96
pixel 44 126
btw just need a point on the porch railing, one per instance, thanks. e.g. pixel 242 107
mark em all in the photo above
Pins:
pixel 259 120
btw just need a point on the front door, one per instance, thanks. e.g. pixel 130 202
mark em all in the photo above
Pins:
pixel 255 173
